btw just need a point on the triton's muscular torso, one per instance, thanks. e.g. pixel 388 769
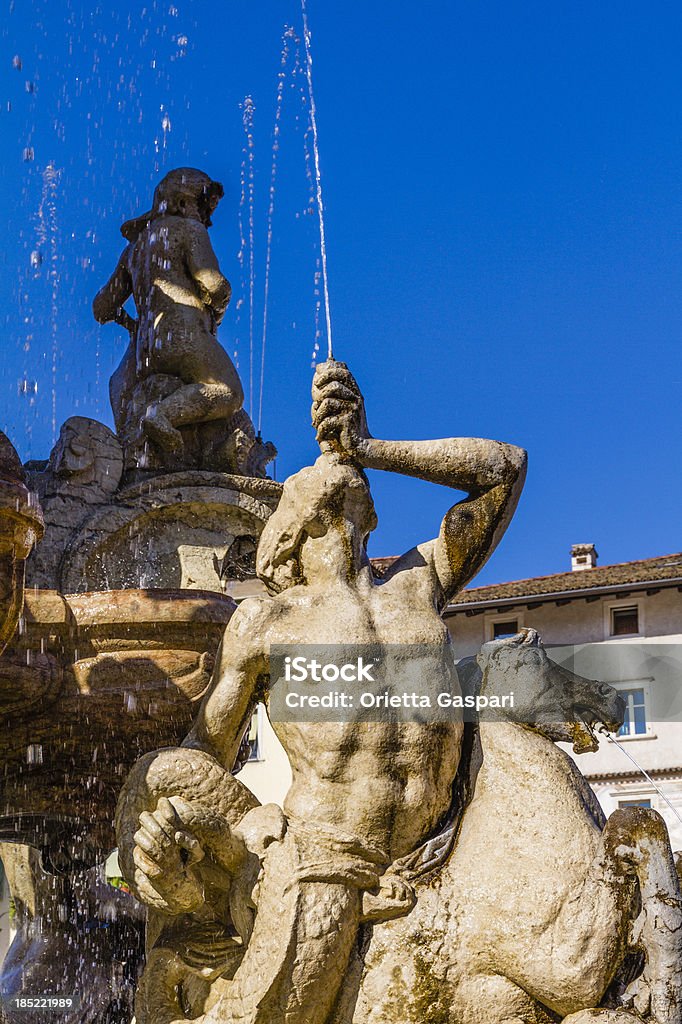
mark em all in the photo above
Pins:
pixel 386 783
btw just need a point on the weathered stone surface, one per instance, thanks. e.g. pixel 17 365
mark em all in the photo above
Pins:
pixel 92 682
pixel 83 471
pixel 343 831
pixel 170 531
pixel 536 912
pixel 529 906
pixel 177 398
pixel 419 873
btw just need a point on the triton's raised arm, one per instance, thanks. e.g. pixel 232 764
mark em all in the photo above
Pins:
pixel 491 473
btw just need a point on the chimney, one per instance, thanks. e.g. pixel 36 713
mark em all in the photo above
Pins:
pixel 583 556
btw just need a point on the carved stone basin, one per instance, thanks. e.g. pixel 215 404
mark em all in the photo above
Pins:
pixel 89 683
pixel 21 525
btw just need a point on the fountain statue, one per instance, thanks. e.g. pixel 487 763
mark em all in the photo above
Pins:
pixel 422 870
pixel 176 396
pixel 21 525
pixel 418 871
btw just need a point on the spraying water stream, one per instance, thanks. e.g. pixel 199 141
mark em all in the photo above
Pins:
pixel 249 156
pixel 318 177
pixel 646 775
pixel 288 38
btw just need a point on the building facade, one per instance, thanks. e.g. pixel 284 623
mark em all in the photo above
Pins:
pixel 620 624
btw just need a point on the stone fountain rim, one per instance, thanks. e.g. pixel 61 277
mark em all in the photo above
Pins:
pixel 255 487
pixel 19 505
pixel 116 518
pixel 86 608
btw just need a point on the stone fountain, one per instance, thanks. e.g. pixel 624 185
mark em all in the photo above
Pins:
pixel 426 867
pixel 111 623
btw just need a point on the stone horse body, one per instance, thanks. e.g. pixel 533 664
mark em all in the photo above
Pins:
pixel 543 907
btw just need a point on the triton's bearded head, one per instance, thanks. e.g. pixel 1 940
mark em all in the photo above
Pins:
pixel 330 495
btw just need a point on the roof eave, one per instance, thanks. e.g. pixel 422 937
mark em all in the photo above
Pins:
pixel 558 595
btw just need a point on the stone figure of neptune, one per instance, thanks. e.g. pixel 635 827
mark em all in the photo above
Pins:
pixel 364 794
pixel 171 271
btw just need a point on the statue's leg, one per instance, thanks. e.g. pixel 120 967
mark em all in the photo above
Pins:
pixel 159 992
pixel 211 387
pixel 299 951
pixel 574 963
pixel 121 386
pixel 192 403
pixel 657 932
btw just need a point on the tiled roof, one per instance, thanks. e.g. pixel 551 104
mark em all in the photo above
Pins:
pixel 646 570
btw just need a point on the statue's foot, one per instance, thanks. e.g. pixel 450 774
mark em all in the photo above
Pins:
pixel 161 431
pixel 657 992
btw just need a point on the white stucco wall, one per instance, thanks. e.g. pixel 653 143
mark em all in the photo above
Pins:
pixel 270 777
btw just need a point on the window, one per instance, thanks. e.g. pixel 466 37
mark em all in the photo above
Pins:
pixel 503 629
pixel 635 713
pixel 624 621
pixel 254 737
pixel 634 803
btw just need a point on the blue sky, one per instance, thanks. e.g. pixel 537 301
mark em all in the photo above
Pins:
pixel 504 219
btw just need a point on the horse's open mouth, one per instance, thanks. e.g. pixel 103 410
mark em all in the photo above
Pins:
pixel 585 739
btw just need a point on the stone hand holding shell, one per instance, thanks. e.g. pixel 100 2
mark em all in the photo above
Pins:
pixel 165 854
pixel 338 410
pixel 171 843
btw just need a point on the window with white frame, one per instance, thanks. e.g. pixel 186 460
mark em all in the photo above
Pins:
pixel 640 802
pixel 635 722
